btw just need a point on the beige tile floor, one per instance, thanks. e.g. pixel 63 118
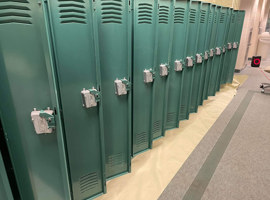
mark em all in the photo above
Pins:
pixel 153 170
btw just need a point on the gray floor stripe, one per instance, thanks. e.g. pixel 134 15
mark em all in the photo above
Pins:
pixel 201 181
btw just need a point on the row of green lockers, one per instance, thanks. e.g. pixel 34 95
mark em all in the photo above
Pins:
pixel 87 85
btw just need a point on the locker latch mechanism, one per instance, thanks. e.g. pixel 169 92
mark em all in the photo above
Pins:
pixel 90 97
pixel 218 51
pixel 211 54
pixel 164 70
pixel 235 45
pixel 122 86
pixel 206 54
pixel 199 58
pixel 224 49
pixel 178 65
pixel 148 75
pixel 229 46
pixel 43 121
pixel 189 62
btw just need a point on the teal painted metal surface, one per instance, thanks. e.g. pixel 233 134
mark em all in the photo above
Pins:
pixel 77 66
pixel 27 82
pixel 144 40
pixel 215 60
pixel 212 71
pixel 219 44
pixel 162 62
pixel 5 190
pixel 208 49
pixel 225 46
pixel 239 20
pixel 114 33
pixel 205 28
pixel 229 40
pixel 180 24
pixel 188 73
pixel 199 58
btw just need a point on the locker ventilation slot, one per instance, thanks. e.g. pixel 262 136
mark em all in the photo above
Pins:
pixel 203 16
pixel 72 11
pixel 141 139
pixel 183 109
pixel 88 182
pixel 233 18
pixel 19 13
pixel 222 18
pixel 215 18
pixel 163 14
pixel 179 15
pixel 192 16
pixel 171 117
pixel 111 11
pixel 210 17
pixel 145 13
pixel 156 127
pixel 115 160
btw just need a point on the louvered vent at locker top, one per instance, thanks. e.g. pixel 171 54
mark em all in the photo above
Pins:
pixel 72 11
pixel 222 18
pixel 192 16
pixel 179 15
pixel 210 17
pixel 203 17
pixel 111 11
pixel 15 11
pixel 215 18
pixel 145 13
pixel 163 14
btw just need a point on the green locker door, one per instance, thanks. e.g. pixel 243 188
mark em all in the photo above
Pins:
pixel 210 52
pixel 219 49
pixel 5 190
pixel 231 37
pixel 144 38
pixel 204 47
pixel 199 58
pixel 239 21
pixel 180 23
pixel 228 43
pixel 162 67
pixel 216 50
pixel 114 33
pixel 225 52
pixel 188 76
pixel 26 83
pixel 77 68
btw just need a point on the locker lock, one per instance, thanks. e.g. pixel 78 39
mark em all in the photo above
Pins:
pixel 199 58
pixel 224 49
pixel 90 97
pixel 235 45
pixel 148 75
pixel 206 54
pixel 211 54
pixel 218 51
pixel 229 46
pixel 164 70
pixel 178 65
pixel 122 86
pixel 43 121
pixel 189 62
